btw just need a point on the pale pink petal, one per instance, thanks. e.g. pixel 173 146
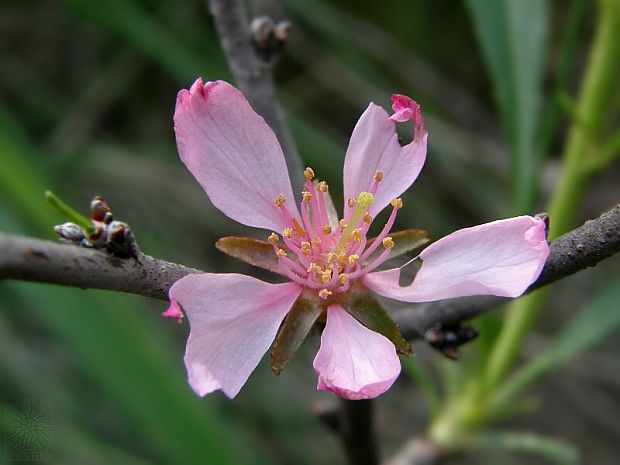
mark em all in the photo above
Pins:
pixel 499 258
pixel 374 146
pixel 233 154
pixel 353 361
pixel 173 311
pixel 233 320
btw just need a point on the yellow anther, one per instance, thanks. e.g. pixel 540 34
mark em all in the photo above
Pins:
pixel 314 267
pixel 309 173
pixel 273 238
pixel 342 258
pixel 316 241
pixel 397 203
pixel 378 175
pixel 367 218
pixel 388 242
pixel 281 253
pixel 343 224
pixel 331 256
pixel 343 278
pixel 326 229
pixel 288 233
pixel 357 235
pixel 307 196
pixel 279 201
pixel 351 202
pixel 326 276
pixel 322 186
pixel 353 259
pixel 339 268
pixel 305 248
pixel 325 293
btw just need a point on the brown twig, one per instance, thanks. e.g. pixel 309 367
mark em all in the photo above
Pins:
pixel 69 265
pixel 574 251
pixel 356 431
pixel 253 75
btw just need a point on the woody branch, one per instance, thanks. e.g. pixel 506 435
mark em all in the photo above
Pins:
pixel 39 260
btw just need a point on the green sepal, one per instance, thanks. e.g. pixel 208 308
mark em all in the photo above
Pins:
pixel 296 326
pixel 404 241
pixel 253 251
pixel 364 308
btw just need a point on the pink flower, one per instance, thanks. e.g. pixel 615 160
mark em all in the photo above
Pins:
pixel 329 264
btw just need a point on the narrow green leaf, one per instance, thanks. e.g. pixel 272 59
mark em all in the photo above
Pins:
pixel 252 251
pixel 513 35
pixel 364 308
pixel 404 241
pixel 597 320
pixel 550 448
pixel 294 330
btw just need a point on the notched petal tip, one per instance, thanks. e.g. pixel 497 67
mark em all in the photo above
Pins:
pixel 174 311
pixel 405 109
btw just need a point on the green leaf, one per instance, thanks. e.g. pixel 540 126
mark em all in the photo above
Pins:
pixel 597 320
pixel 294 330
pixel 252 251
pixel 404 241
pixel 513 36
pixel 364 308
pixel 550 448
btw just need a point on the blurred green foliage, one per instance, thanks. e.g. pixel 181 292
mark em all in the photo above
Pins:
pixel 86 95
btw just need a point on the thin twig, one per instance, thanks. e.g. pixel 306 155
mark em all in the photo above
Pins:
pixel 69 265
pixel 253 76
pixel 356 430
pixel 574 251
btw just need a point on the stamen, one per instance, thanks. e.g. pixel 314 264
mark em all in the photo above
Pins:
pixel 326 276
pixel 353 259
pixel 322 186
pixel 298 229
pixel 306 249
pixel 384 232
pixel 343 278
pixel 343 224
pixel 279 201
pixel 388 242
pixel 325 293
pixel 367 218
pixel 397 203
pixel 326 230
pixel 351 203
pixel 309 173
pixel 273 238
pixel 281 253
pixel 287 232
pixel 307 196
pixel 364 200
pixel 378 175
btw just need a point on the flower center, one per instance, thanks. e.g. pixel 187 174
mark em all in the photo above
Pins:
pixel 325 254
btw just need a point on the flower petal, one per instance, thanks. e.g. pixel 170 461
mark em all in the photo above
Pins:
pixel 233 154
pixel 233 320
pixel 499 258
pixel 353 361
pixel 374 146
